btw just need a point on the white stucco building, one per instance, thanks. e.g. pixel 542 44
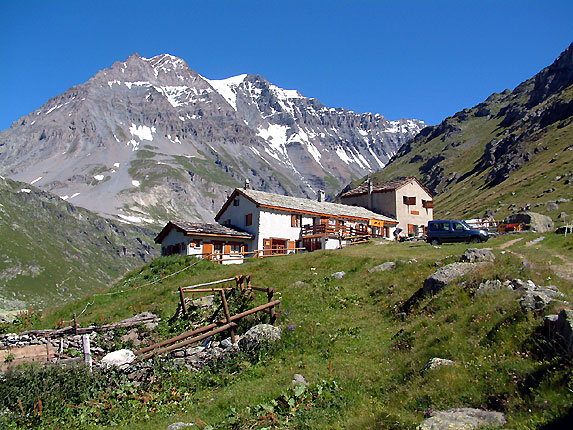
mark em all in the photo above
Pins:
pixel 251 221
pixel 206 240
pixel 406 200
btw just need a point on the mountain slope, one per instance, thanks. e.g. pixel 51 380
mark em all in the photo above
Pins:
pixel 52 251
pixel 513 150
pixel 151 139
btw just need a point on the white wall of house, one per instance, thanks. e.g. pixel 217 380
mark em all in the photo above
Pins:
pixel 174 237
pixel 237 216
pixel 414 214
pixel 277 224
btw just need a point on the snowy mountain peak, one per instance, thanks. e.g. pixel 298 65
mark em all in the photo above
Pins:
pixel 150 138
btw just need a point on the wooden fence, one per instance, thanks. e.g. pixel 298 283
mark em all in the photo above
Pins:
pixel 243 282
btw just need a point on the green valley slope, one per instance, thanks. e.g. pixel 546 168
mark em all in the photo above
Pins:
pixel 52 251
pixel 514 149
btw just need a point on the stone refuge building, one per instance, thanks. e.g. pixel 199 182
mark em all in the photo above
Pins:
pixel 259 223
pixel 406 200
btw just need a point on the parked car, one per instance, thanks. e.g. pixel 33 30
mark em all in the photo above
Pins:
pixel 451 230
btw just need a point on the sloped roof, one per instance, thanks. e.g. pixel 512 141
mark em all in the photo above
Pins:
pixel 202 229
pixel 384 187
pixel 302 205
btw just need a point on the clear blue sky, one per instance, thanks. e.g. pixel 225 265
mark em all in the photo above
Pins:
pixel 414 59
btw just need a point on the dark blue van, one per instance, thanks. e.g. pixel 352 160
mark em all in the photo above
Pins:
pixel 451 230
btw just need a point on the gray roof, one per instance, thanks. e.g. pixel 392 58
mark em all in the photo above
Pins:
pixel 314 206
pixel 203 229
pixel 383 187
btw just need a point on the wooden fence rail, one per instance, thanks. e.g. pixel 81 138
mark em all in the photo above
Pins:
pixel 228 324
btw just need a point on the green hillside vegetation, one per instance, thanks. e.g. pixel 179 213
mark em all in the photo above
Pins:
pixel 52 251
pixel 513 150
pixel 362 359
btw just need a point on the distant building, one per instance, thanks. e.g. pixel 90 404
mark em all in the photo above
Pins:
pixel 280 222
pixel 273 224
pixel 204 240
pixel 406 200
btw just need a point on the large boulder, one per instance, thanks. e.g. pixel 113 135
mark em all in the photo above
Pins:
pixel 473 255
pixel 462 419
pixel 259 335
pixel 389 265
pixel 537 222
pixel 444 275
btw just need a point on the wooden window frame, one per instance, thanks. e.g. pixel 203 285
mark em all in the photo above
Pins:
pixel 296 220
pixel 410 201
pixel 428 204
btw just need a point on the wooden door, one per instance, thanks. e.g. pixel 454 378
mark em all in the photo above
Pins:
pixel 207 250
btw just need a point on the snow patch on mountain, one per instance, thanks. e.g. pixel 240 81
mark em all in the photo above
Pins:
pixel 227 88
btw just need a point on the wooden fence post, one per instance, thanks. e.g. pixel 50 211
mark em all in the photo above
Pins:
pixel 87 351
pixel 270 294
pixel 183 304
pixel 75 324
pixel 227 315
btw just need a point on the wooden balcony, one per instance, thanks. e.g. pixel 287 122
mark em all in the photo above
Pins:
pixel 331 230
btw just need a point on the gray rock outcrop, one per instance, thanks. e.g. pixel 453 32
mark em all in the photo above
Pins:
pixel 389 265
pixel 474 255
pixel 436 362
pixel 538 222
pixel 462 419
pixel 536 298
pixel 560 327
pixel 258 335
pixel 444 275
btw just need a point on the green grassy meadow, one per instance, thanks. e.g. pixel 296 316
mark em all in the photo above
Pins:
pixel 362 360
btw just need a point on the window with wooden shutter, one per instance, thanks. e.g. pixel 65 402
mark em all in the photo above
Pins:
pixel 428 204
pixel 295 220
pixel 409 200
pixel 249 219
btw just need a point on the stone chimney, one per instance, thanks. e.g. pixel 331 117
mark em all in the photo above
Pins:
pixel 321 196
pixel 247 184
pixel 369 194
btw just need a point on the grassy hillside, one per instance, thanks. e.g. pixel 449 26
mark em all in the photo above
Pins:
pixel 512 150
pixel 360 357
pixel 52 251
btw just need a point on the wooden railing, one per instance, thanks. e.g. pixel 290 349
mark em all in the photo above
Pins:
pixel 243 283
pixel 259 253
pixel 340 230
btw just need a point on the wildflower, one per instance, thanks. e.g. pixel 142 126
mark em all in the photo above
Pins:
pixel 290 327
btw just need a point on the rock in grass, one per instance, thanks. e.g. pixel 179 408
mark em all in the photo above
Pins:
pixel 298 284
pixel 436 362
pixel 473 255
pixel 389 265
pixel 338 275
pixel 258 335
pixel 462 419
pixel 120 358
pixel 536 298
pixel 298 379
pixel 444 275
pixel 179 426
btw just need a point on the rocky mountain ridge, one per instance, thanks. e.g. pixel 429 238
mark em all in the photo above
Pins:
pixel 151 139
